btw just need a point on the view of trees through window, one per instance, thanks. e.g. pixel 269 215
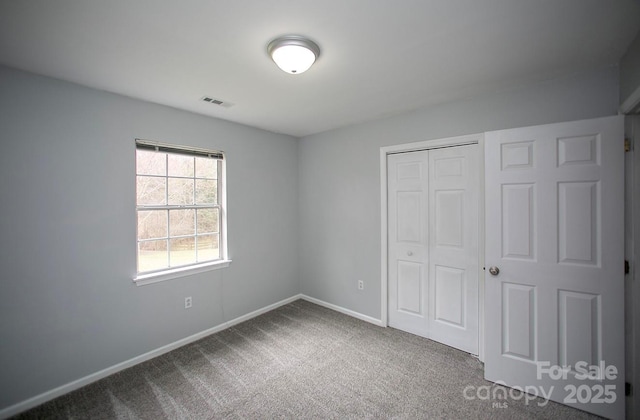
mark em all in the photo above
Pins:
pixel 178 209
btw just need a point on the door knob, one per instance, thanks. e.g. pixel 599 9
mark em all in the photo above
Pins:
pixel 494 271
pixel 409 253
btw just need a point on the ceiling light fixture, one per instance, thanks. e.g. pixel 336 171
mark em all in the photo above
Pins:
pixel 293 54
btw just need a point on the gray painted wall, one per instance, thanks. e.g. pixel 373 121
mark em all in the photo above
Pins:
pixel 340 175
pixel 68 306
pixel 630 70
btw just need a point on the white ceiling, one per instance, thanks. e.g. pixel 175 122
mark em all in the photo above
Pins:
pixel 379 57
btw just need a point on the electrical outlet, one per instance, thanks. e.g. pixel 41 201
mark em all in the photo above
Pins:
pixel 188 302
pixel 360 285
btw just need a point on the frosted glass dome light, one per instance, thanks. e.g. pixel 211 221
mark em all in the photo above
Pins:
pixel 293 54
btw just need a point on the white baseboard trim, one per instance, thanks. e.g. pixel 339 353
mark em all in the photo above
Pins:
pixel 258 312
pixel 72 386
pixel 345 311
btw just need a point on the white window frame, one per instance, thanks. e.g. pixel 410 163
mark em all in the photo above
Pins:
pixel 190 269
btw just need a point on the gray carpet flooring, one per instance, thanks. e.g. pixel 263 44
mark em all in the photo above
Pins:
pixel 298 361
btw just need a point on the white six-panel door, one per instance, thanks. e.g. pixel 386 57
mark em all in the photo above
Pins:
pixel 433 244
pixel 554 230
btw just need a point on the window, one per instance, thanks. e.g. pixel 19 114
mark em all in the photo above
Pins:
pixel 180 208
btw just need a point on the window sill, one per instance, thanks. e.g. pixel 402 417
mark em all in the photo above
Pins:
pixel 144 279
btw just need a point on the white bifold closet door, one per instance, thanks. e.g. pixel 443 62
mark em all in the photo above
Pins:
pixel 433 244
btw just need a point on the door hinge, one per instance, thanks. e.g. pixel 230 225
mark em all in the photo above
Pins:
pixel 628 389
pixel 627 145
pixel 626 267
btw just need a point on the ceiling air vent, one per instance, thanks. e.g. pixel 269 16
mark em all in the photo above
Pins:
pixel 214 101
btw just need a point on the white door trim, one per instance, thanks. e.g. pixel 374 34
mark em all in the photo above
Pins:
pixel 426 145
pixel 635 334
pixel 630 103
pixel 632 253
